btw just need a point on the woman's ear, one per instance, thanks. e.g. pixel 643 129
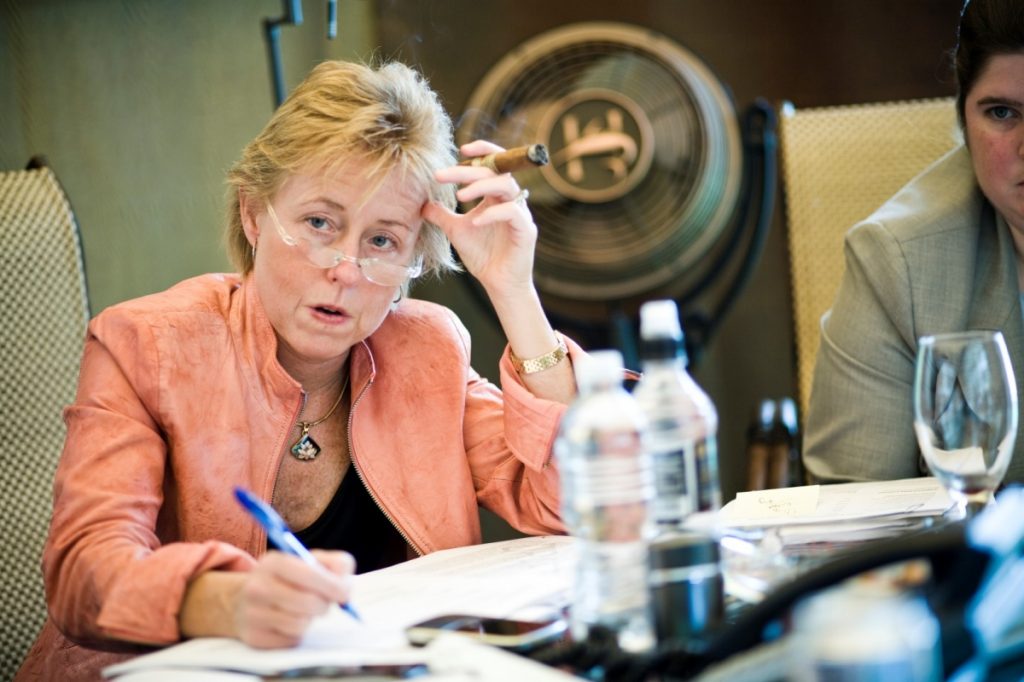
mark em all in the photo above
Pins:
pixel 248 209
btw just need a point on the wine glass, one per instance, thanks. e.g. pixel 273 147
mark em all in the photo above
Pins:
pixel 965 413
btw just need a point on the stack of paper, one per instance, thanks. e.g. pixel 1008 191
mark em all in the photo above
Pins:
pixel 516 578
pixel 771 536
pixel 841 512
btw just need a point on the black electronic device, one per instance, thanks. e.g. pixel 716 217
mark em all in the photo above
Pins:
pixel 516 635
pixel 976 570
pixel 371 672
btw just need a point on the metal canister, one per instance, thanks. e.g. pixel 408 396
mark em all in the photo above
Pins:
pixel 686 584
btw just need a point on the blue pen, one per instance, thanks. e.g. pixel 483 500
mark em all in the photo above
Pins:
pixel 278 532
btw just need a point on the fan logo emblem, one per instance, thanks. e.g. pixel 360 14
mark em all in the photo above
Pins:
pixel 601 145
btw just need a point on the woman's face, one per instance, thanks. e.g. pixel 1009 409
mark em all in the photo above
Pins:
pixel 994 127
pixel 320 313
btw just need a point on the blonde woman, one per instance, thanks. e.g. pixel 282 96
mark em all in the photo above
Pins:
pixel 309 378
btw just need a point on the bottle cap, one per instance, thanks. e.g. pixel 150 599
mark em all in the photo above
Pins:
pixel 661 335
pixel 660 320
pixel 788 417
pixel 763 421
pixel 599 367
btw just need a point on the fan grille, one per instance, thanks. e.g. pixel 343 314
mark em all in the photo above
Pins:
pixel 645 150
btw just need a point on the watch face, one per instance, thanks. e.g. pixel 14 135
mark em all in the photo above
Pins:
pixel 645 154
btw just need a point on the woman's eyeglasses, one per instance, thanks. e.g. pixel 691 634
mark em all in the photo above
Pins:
pixel 376 269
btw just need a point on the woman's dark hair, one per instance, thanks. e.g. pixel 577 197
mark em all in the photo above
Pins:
pixel 987 28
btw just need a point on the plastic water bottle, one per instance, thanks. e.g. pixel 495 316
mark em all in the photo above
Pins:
pixel 683 421
pixel 607 491
pixel 865 632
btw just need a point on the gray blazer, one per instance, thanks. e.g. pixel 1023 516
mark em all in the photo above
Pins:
pixel 935 258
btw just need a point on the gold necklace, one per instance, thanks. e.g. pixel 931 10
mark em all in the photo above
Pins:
pixel 305 448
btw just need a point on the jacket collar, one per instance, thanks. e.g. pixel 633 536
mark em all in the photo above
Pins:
pixel 255 337
pixel 995 280
pixel 995 275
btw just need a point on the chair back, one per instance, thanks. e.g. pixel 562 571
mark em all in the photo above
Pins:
pixel 839 164
pixel 43 314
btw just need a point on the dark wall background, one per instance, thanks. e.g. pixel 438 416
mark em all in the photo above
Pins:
pixel 142 105
pixel 810 52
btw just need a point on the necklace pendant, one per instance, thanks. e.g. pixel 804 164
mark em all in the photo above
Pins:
pixel 305 448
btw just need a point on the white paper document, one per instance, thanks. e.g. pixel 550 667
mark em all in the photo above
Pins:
pixel 496 579
pixel 511 578
pixel 878 501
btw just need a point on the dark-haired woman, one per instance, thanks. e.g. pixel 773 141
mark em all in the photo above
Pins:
pixel 945 254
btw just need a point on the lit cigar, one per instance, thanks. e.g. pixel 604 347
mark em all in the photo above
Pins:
pixel 511 160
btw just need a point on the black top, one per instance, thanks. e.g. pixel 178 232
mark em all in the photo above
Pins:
pixel 353 522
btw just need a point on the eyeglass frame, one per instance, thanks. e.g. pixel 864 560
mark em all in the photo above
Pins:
pixel 410 271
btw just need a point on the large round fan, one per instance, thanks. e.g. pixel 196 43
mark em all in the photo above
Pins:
pixel 645 158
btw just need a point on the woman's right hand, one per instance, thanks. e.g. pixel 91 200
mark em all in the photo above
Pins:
pixel 270 606
pixel 283 594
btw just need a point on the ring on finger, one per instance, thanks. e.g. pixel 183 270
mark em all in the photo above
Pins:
pixel 521 198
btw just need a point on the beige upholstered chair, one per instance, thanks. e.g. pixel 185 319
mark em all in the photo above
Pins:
pixel 43 313
pixel 839 164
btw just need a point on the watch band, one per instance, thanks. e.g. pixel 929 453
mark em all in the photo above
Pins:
pixel 541 362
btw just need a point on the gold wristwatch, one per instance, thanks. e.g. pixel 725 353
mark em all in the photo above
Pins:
pixel 541 362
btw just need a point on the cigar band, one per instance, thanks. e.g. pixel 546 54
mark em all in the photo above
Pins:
pixel 487 162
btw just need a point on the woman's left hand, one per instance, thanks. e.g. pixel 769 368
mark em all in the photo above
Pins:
pixel 496 239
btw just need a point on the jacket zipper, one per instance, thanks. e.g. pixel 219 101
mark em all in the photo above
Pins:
pixel 277 472
pixel 359 474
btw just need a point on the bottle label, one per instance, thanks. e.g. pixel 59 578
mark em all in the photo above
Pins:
pixel 614 480
pixel 674 480
pixel 611 500
pixel 709 495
